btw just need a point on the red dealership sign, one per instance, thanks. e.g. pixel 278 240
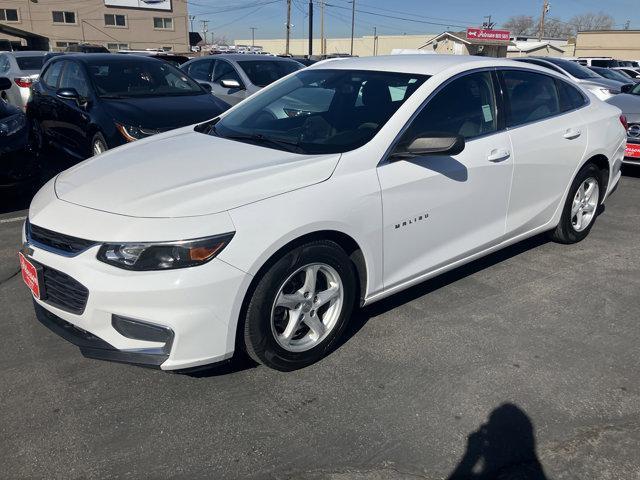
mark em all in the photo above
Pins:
pixel 489 35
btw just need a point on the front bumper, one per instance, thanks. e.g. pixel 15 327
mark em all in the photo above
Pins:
pixel 198 305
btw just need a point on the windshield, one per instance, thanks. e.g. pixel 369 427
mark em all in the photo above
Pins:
pixel 611 74
pixel 574 69
pixel 636 89
pixel 320 111
pixel 263 72
pixel 30 63
pixel 131 78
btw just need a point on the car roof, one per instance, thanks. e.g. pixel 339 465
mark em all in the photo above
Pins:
pixel 89 57
pixel 249 56
pixel 416 64
pixel 27 53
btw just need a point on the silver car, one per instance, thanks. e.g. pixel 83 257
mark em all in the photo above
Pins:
pixel 234 77
pixel 22 68
pixel 629 103
pixel 601 87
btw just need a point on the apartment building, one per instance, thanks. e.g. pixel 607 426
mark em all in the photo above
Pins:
pixel 116 24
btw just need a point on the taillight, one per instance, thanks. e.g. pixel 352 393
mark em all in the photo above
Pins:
pixel 623 121
pixel 24 82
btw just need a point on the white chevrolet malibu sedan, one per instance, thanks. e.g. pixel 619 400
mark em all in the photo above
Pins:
pixel 339 185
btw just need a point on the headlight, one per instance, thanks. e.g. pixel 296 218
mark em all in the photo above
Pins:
pixel 163 256
pixel 12 124
pixel 135 133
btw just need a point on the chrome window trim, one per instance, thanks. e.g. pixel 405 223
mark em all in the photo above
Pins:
pixel 385 157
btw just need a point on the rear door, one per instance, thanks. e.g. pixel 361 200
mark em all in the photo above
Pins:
pixel 549 137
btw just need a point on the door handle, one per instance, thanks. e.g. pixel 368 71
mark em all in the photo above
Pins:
pixel 498 155
pixel 572 133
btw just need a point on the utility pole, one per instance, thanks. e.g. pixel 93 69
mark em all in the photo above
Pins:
pixel 310 27
pixel 253 36
pixel 191 19
pixel 205 29
pixel 488 25
pixel 322 42
pixel 288 26
pixel 375 41
pixel 545 9
pixel 353 22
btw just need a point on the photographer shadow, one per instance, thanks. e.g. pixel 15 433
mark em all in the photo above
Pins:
pixel 501 449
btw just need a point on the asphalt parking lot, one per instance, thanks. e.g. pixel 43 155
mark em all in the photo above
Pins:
pixel 521 365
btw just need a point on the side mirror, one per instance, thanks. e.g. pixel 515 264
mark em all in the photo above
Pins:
pixel 68 94
pixel 5 83
pixel 206 86
pixel 230 84
pixel 430 144
pixel 627 88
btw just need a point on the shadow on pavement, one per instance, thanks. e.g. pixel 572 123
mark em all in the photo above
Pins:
pixel 504 448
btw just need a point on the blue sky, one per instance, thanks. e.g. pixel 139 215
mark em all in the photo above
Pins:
pixel 233 19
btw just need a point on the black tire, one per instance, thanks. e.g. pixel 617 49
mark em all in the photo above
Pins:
pixel 98 138
pixel 259 340
pixel 565 231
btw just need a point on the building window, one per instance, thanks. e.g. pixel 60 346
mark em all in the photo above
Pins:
pixel 167 49
pixel 113 20
pixel 162 23
pixel 62 46
pixel 64 17
pixel 117 46
pixel 8 15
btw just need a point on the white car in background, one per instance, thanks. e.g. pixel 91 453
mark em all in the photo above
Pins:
pixel 261 233
pixel 22 68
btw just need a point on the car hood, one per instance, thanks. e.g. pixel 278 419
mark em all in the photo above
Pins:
pixel 163 113
pixel 184 173
pixel 629 104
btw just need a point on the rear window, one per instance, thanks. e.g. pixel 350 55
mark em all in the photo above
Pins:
pixel 263 72
pixel 30 63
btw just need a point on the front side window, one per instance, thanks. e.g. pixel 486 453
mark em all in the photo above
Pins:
pixel 225 71
pixel 163 23
pixel 531 96
pixel 201 70
pixel 130 78
pixel 317 111
pixel 63 17
pixel 264 72
pixel 52 75
pixel 8 15
pixel 466 106
pixel 73 77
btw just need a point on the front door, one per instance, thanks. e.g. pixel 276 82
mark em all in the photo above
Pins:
pixel 438 209
pixel 74 117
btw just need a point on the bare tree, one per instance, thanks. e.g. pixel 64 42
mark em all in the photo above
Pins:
pixel 554 28
pixel 592 21
pixel 520 25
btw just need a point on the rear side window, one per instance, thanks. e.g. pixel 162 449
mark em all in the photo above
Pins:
pixel 466 106
pixel 531 97
pixel 30 63
pixel 570 97
pixel 52 75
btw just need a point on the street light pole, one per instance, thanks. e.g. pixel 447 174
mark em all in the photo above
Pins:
pixel 310 27
pixel 253 36
pixel 288 26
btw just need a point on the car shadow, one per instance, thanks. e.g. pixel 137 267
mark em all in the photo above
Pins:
pixel 363 315
pixel 631 171
pixel 503 448
pixel 447 166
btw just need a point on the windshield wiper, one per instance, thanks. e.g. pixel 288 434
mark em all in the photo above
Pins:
pixel 260 139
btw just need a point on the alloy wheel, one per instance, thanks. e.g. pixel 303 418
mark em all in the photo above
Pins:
pixel 585 204
pixel 307 307
pixel 99 147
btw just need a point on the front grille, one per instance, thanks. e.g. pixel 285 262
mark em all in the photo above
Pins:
pixel 64 292
pixel 57 242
